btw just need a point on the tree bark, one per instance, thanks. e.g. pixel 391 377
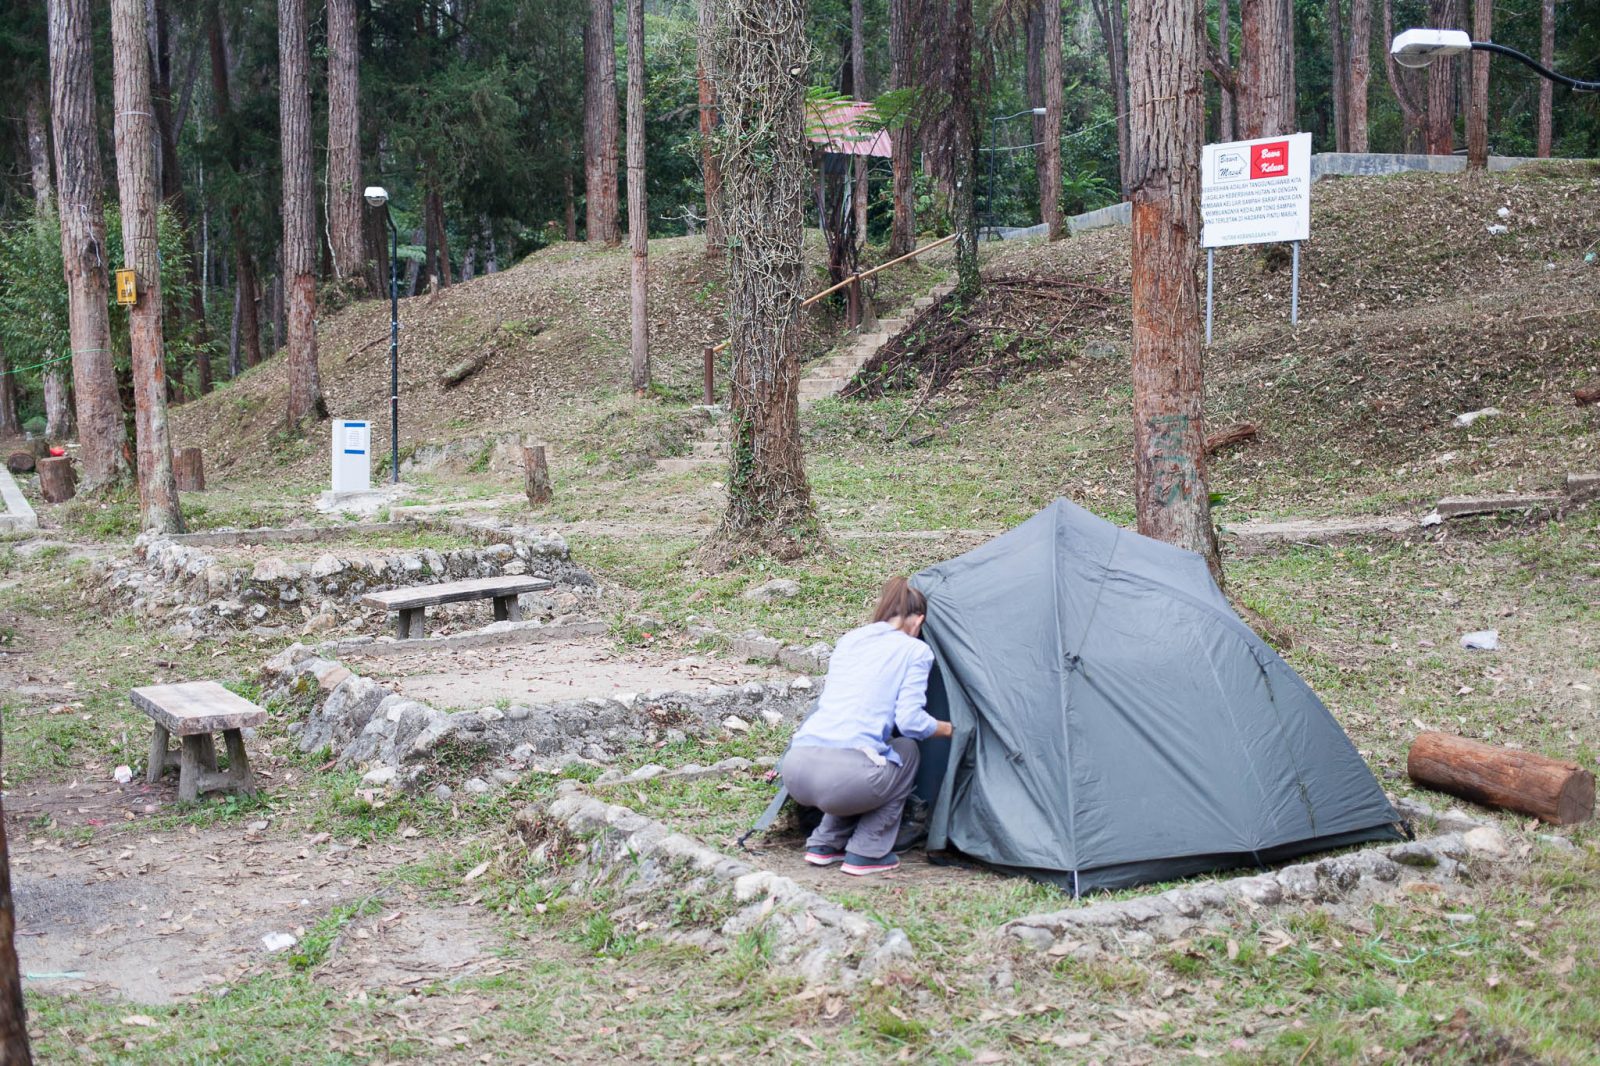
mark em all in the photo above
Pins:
pixel 764 188
pixel 571 229
pixel 38 134
pixel 858 89
pixel 57 481
pixel 710 162
pixel 536 475
pixel 1478 104
pixel 1109 13
pixel 1400 83
pixel 1360 67
pixel 1168 122
pixel 299 217
pixel 135 134
pixel 902 75
pixel 638 206
pixel 1340 87
pixel 1552 790
pixel 244 267
pixel 1033 69
pixel 10 423
pixel 1441 130
pixel 14 1050
pixel 101 433
pixel 346 236
pixel 57 388
pixel 600 124
pixel 962 139
pixel 1547 56
pixel 438 236
pixel 1225 92
pixel 1265 75
pixel 1054 104
pixel 189 470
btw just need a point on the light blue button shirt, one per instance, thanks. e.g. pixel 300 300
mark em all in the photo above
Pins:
pixel 877 682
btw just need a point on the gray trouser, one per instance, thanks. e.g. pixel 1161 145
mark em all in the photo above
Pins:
pixel 861 802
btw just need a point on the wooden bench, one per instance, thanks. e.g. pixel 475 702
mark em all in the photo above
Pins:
pixel 192 712
pixel 413 602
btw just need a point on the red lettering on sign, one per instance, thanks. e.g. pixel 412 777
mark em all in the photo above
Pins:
pixel 1269 160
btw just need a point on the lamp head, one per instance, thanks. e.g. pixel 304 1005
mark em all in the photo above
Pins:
pixel 1418 48
pixel 376 195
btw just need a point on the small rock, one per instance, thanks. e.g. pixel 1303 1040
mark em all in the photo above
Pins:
pixel 122 775
pixel 780 588
pixel 378 778
pixel 257 826
pixel 1414 854
pixel 1486 842
pixel 476 785
pixel 1560 843
pixel 1482 640
pixel 772 717
pixel 491 714
pixel 734 724
pixel 518 714
pixel 504 776
pixel 802 683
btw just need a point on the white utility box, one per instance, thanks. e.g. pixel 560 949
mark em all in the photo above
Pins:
pixel 352 456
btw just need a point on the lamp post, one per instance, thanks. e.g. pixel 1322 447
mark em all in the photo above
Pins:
pixel 994 152
pixel 378 196
pixel 1418 48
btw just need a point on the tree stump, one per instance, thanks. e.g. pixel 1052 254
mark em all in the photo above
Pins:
pixel 188 467
pixel 20 462
pixel 57 484
pixel 538 475
pixel 1551 790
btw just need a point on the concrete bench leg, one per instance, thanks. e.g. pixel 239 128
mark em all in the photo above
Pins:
pixel 243 779
pixel 158 756
pixel 412 624
pixel 197 768
pixel 191 764
pixel 507 609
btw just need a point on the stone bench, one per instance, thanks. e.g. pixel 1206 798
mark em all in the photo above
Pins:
pixel 192 712
pixel 412 603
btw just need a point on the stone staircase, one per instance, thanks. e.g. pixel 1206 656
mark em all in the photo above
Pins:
pixel 826 377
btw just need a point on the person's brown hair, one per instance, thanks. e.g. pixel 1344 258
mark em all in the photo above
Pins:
pixel 899 600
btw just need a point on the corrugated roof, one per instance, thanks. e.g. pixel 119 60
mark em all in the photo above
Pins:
pixel 837 128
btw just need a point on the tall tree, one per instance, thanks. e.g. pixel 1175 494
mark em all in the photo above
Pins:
pixel 638 204
pixel 1050 136
pixel 1113 30
pixel 710 164
pixel 1478 106
pixel 135 134
pixel 1441 128
pixel 902 76
pixel 101 434
pixel 58 417
pixel 1547 56
pixel 1168 125
pixel 950 129
pixel 299 217
pixel 14 1050
pixel 1340 87
pixel 1223 58
pixel 858 89
pixel 346 235
pixel 600 124
pixel 244 264
pixel 1402 84
pixel 38 134
pixel 763 147
pixel 1265 74
pixel 1360 68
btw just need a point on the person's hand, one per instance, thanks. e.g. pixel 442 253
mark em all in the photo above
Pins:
pixel 944 730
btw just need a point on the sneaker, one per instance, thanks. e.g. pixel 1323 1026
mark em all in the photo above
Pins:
pixel 820 856
pixel 861 866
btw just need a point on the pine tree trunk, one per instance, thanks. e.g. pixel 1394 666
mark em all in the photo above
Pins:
pixel 1225 94
pixel 710 161
pixel 638 206
pixel 1054 104
pixel 600 124
pixel 299 217
pixel 249 325
pixel 1340 87
pixel 1441 131
pixel 1360 66
pixel 1547 56
pixel 14 1050
pixel 902 75
pixel 1411 117
pixel 1033 66
pixel 572 206
pixel 441 238
pixel 1109 13
pixel 345 233
pixel 135 129
pixel 101 433
pixel 1478 108
pixel 1265 89
pixel 764 187
pixel 38 134
pixel 1168 389
pixel 858 89
pixel 962 142
pixel 10 423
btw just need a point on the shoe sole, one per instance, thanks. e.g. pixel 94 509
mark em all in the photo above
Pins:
pixel 823 860
pixel 866 871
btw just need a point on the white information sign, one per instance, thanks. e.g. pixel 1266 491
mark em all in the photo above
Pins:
pixel 1256 192
pixel 352 456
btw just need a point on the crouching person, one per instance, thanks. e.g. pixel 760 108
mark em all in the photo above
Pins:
pixel 842 760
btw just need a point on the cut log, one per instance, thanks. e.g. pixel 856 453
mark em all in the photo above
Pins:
pixel 1587 395
pixel 538 475
pixel 21 462
pixel 1234 434
pixel 57 483
pixel 188 467
pixel 1552 790
pixel 465 369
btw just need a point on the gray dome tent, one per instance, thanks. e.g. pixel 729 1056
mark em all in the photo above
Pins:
pixel 1116 723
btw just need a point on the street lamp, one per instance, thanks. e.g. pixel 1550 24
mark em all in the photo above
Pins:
pixel 1418 48
pixel 994 151
pixel 378 196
